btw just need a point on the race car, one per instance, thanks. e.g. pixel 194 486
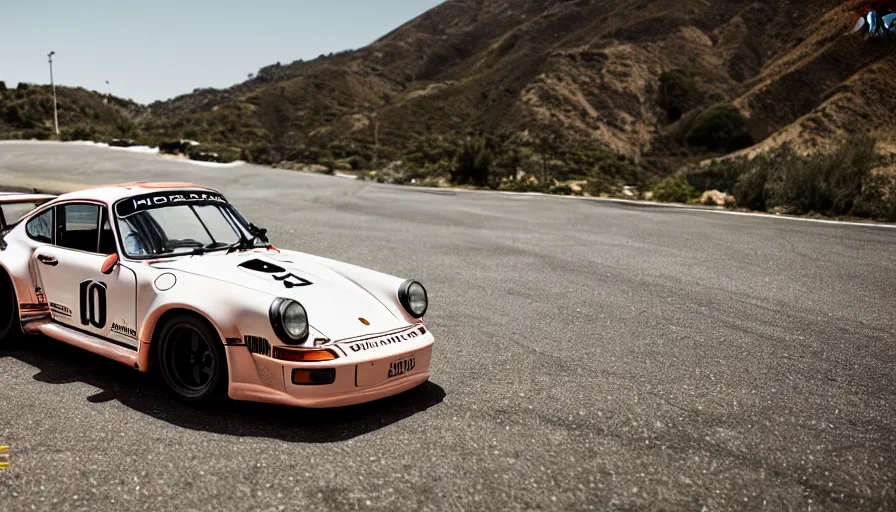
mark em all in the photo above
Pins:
pixel 171 278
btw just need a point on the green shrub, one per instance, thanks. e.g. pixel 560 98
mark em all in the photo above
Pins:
pixel 42 133
pixel 473 163
pixel 562 190
pixel 358 163
pixel 878 198
pixel 838 182
pixel 622 171
pixel 719 175
pixel 598 185
pixel 720 127
pixel 749 190
pixel 524 185
pixel 674 190
pixel 328 161
pixel 677 93
pixel 78 133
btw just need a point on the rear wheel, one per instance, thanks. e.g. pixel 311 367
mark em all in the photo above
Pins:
pixel 10 326
pixel 191 360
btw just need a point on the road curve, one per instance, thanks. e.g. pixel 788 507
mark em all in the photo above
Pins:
pixel 588 354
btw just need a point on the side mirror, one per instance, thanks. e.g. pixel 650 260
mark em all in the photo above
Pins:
pixel 109 263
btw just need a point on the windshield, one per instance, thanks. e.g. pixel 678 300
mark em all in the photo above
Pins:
pixel 181 229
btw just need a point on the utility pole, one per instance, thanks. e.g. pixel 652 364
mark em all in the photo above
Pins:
pixel 53 85
pixel 376 138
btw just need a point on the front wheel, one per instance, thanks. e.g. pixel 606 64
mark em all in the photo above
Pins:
pixel 191 360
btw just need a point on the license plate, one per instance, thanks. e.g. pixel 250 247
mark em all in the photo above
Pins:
pixel 401 366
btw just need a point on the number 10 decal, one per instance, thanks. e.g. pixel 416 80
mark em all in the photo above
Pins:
pixel 93 303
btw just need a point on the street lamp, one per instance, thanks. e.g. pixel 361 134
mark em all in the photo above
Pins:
pixel 53 85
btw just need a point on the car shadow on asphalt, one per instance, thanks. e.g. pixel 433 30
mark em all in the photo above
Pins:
pixel 63 364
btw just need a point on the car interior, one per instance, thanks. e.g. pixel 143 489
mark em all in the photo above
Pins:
pixel 78 228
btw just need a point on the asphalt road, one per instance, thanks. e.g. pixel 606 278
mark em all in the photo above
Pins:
pixel 588 354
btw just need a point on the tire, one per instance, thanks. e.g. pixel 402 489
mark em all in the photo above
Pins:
pixel 191 360
pixel 10 325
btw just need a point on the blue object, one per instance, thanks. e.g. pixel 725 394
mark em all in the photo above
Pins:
pixel 872 17
pixel 889 21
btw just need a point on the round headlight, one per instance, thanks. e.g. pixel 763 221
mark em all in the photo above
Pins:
pixel 412 296
pixel 295 320
pixel 289 320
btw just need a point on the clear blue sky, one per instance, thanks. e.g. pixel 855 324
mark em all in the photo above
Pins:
pixel 157 49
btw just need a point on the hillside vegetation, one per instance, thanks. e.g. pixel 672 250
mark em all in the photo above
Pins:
pixel 569 96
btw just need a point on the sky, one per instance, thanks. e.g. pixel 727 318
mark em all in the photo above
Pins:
pixel 156 49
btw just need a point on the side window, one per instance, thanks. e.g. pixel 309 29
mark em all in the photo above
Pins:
pixel 78 227
pixel 40 228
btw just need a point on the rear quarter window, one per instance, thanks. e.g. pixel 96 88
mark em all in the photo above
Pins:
pixel 40 228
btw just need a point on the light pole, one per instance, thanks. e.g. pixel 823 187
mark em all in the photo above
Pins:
pixel 376 138
pixel 53 85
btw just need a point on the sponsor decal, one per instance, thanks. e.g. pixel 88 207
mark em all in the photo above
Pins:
pixel 4 458
pixel 61 309
pixel 402 366
pixel 123 329
pixel 41 296
pixel 359 346
pixel 145 202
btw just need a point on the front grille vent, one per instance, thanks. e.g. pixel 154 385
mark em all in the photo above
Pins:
pixel 258 345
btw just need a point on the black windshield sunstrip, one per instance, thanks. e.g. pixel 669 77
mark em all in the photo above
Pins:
pixel 135 204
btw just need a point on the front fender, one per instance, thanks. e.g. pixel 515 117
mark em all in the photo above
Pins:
pixel 232 310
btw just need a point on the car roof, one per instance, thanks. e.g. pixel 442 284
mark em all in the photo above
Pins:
pixel 113 192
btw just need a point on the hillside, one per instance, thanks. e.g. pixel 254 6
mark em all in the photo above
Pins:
pixel 661 83
pixel 590 66
pixel 27 112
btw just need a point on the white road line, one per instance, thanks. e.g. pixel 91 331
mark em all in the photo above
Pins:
pixel 651 204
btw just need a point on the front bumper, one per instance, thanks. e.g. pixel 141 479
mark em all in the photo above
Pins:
pixel 362 373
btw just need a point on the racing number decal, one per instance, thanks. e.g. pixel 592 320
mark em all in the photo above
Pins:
pixel 93 303
pixel 289 284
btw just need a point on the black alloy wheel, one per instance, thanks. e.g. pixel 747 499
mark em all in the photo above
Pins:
pixel 191 360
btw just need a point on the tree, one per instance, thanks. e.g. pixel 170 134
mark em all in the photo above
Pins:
pixel 549 142
pixel 474 163
pixel 678 94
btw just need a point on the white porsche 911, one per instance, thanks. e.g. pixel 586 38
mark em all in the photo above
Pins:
pixel 169 277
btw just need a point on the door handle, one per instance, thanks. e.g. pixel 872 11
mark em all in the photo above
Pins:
pixel 47 260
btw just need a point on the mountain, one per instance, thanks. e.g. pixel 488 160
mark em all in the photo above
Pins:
pixel 592 67
pixel 652 80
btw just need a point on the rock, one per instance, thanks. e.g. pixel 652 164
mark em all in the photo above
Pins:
pixel 717 198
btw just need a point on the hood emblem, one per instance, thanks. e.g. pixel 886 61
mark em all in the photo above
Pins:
pixel 363 320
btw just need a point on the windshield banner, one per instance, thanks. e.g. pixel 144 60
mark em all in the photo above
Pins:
pixel 135 204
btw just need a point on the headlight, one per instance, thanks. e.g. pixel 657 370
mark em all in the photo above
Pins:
pixel 289 320
pixel 412 296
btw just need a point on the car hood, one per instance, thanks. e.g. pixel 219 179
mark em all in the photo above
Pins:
pixel 335 304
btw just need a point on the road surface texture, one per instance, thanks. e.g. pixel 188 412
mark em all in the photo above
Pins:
pixel 588 355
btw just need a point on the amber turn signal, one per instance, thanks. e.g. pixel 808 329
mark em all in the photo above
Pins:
pixel 303 356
